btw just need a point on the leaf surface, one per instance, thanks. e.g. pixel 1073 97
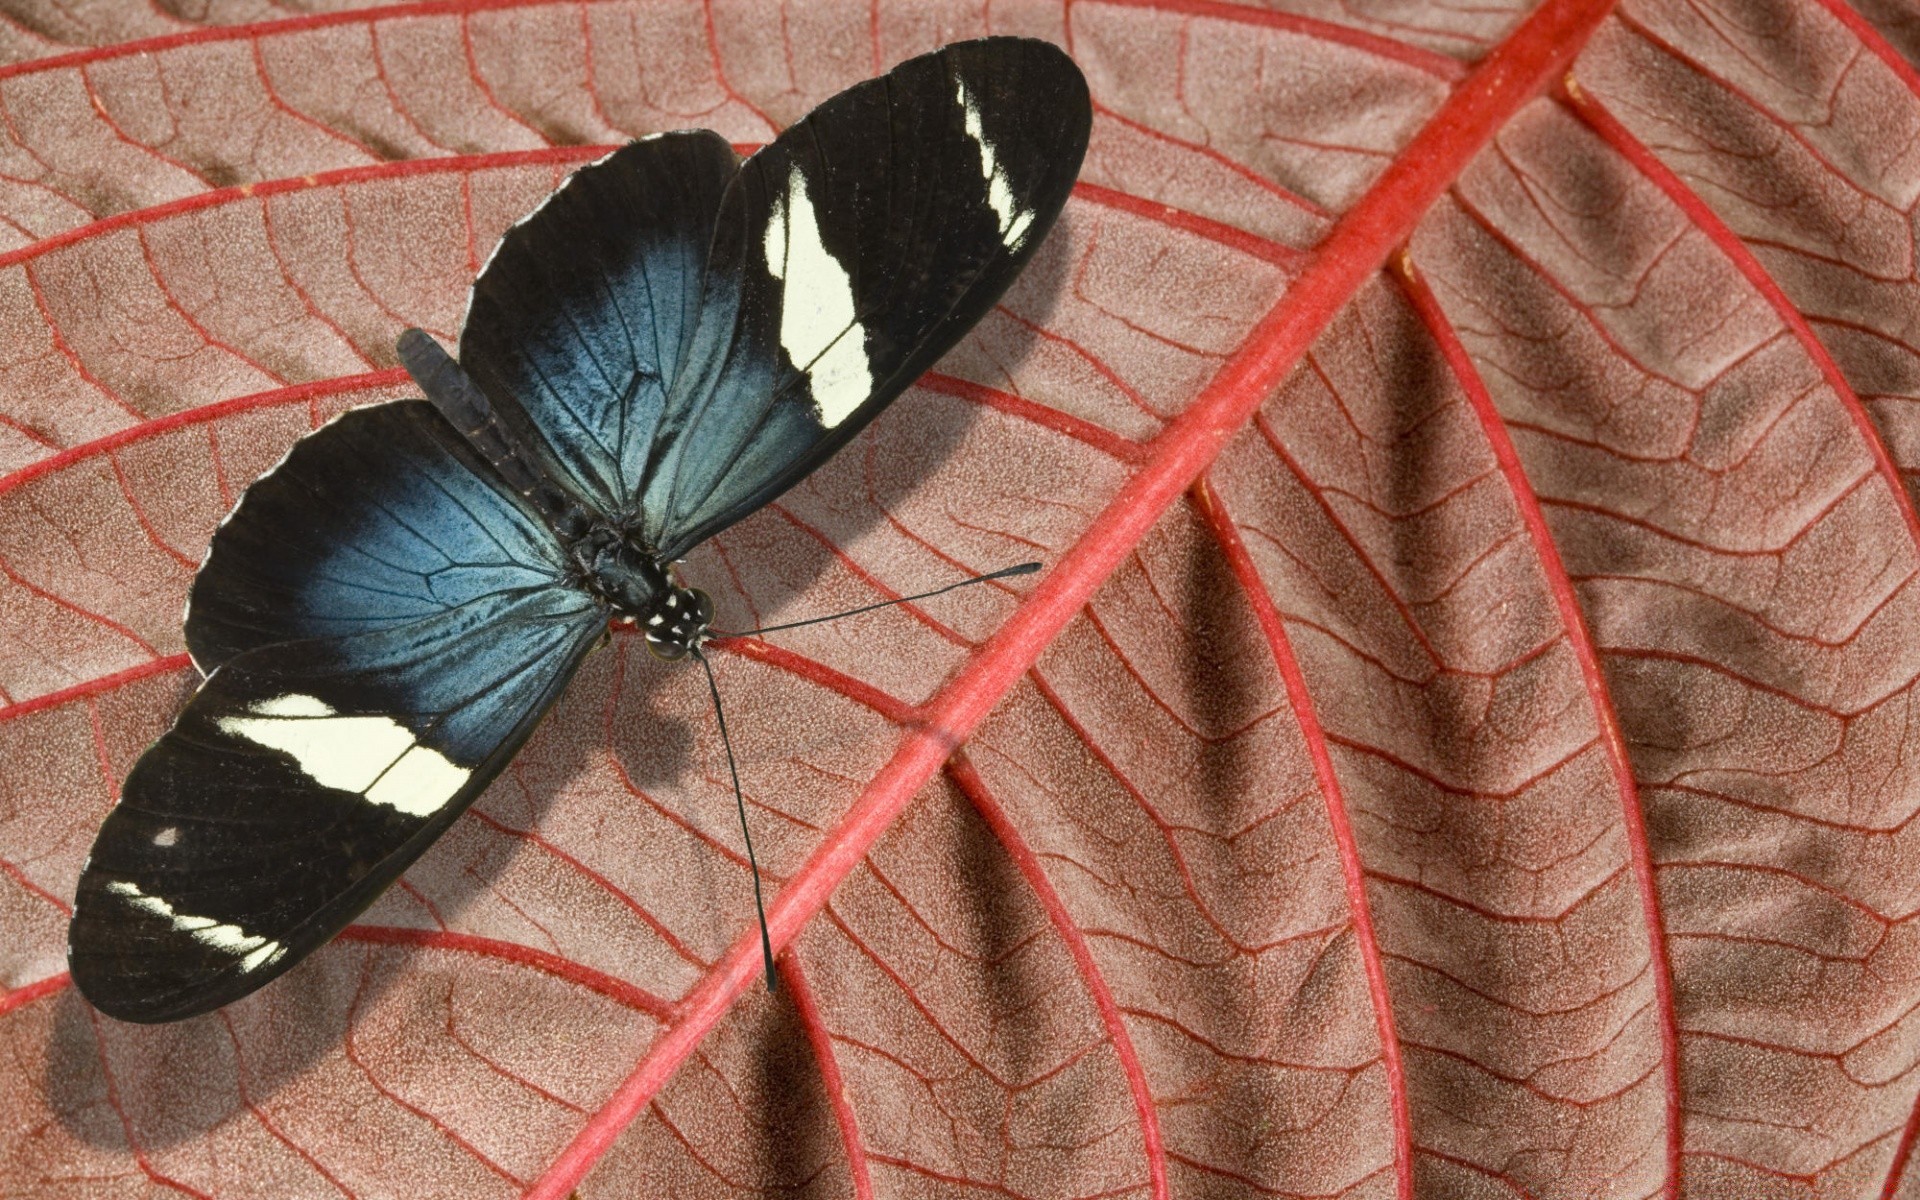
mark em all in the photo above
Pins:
pixel 1459 747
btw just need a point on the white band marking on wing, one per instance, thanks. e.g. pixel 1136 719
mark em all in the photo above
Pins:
pixel 817 325
pixel 1013 221
pixel 375 756
pixel 255 951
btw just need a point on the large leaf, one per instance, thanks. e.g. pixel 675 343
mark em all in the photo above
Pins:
pixel 1462 744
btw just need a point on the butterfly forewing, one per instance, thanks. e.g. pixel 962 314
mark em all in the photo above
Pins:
pixel 849 254
pixel 306 774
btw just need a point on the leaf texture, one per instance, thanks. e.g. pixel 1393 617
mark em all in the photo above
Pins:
pixel 1460 747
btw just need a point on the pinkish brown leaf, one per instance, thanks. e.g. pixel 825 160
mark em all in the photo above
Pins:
pixel 1460 746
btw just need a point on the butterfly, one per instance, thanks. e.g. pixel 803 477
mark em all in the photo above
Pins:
pixel 672 339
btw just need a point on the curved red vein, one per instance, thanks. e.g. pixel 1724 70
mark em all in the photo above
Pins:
pixel 618 990
pixel 1254 1187
pixel 613 988
pixel 126 1125
pixel 1429 61
pixel 798 665
pixel 265 77
pixel 1886 920
pixel 973 1186
pixel 975 789
pixel 120 135
pixel 626 900
pixel 1099 367
pixel 1167 709
pixel 1485 1172
pixel 192 322
pixel 1759 619
pixel 1353 251
pixel 255 30
pixel 1278 253
pixel 1871 38
pixel 459 164
pixel 1346 1071
pixel 1792 131
pixel 1016 406
pixel 452 1032
pixel 65 349
pixel 93 687
pixel 800 993
pixel 281 265
pixel 1809 523
pixel 1530 1084
pixel 1703 218
pixel 1408 621
pixel 27 993
pixel 720 69
pixel 592 85
pixel 296 393
pixel 351 1050
pixel 393 98
pixel 16 873
pixel 1902 1154
pixel 486 89
pixel 467 164
pixel 265 1120
pixel 1096 437
pixel 1352 872
pixel 1588 311
pixel 1238 168
pixel 1169 843
pixel 1580 640
pixel 27 431
pixel 941 1030
pixel 1468 986
pixel 145 521
pixel 104 622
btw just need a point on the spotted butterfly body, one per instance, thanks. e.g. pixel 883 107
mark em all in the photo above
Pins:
pixel 671 340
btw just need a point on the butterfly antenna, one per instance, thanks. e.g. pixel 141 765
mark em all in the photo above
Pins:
pixel 1026 568
pixel 740 804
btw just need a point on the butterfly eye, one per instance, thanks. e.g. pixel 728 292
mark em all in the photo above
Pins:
pixel 666 651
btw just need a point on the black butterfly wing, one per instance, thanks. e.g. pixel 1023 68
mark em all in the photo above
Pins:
pixel 577 325
pixel 851 253
pixel 435 625
pixel 382 518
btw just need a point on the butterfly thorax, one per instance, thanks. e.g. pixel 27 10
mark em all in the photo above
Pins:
pixel 636 588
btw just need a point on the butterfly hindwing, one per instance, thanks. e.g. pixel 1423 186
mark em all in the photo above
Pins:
pixel 577 325
pixel 381 518
pixel 385 627
pixel 851 253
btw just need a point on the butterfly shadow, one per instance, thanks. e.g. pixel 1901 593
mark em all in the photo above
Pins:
pixel 148 1087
